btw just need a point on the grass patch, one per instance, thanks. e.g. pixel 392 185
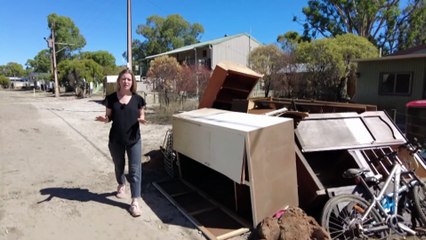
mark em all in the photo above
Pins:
pixel 163 114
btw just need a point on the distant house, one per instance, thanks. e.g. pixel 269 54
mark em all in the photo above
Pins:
pixel 391 82
pixel 19 82
pixel 234 48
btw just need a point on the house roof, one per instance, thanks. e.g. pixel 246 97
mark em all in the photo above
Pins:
pixel 393 57
pixel 410 53
pixel 201 44
pixel 295 68
pixel 414 50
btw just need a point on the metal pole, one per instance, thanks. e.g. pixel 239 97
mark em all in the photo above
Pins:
pixel 55 69
pixel 48 41
pixel 129 34
pixel 196 72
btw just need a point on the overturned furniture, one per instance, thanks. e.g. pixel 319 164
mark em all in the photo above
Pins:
pixel 235 169
pixel 260 105
pixel 328 144
pixel 228 83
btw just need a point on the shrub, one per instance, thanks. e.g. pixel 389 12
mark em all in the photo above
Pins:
pixel 4 81
pixel 164 113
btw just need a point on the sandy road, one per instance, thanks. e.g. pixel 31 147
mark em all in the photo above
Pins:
pixel 56 175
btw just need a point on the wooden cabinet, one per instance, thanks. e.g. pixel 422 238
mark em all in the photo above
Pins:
pixel 255 153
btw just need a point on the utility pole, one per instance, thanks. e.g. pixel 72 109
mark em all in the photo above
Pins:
pixel 51 44
pixel 129 34
pixel 55 69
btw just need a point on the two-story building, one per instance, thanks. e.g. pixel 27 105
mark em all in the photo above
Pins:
pixel 234 48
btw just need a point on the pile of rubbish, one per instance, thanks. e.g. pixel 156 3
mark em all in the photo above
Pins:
pixel 292 223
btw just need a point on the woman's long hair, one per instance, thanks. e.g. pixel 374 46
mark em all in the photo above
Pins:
pixel 134 85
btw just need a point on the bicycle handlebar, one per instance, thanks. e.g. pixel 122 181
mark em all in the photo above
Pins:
pixel 391 155
pixel 412 147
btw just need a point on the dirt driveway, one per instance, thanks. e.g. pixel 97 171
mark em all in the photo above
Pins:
pixel 56 175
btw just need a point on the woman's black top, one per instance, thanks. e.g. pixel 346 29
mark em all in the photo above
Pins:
pixel 125 124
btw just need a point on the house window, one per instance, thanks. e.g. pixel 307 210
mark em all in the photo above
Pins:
pixel 395 83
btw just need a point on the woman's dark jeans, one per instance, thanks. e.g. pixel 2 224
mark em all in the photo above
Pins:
pixel 134 155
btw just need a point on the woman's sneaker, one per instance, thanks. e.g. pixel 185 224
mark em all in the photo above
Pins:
pixel 135 209
pixel 121 191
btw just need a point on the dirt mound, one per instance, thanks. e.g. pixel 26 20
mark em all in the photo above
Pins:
pixel 292 223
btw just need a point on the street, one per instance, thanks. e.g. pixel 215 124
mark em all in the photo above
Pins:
pixel 57 179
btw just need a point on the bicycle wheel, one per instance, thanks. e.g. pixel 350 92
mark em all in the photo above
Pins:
pixel 341 217
pixel 419 198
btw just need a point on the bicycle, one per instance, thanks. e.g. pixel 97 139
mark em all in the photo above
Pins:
pixel 349 216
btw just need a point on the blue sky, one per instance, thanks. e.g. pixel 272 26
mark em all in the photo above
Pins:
pixel 103 23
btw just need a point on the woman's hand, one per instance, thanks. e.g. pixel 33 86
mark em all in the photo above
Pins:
pixel 141 118
pixel 104 119
pixel 143 121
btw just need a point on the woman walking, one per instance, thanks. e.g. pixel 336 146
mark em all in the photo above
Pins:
pixel 125 108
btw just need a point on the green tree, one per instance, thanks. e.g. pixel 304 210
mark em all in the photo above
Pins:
pixel 67 36
pixel 164 34
pixel 376 20
pixel 330 66
pixel 75 73
pixel 4 81
pixel 41 63
pixel 412 32
pixel 138 53
pixel 268 60
pixel 291 81
pixel 103 58
pixel 290 40
pixel 12 69
pixel 164 73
